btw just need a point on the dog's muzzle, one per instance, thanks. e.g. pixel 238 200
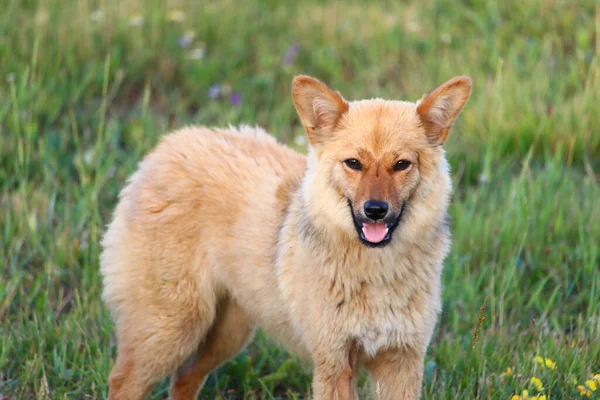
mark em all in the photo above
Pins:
pixel 376 233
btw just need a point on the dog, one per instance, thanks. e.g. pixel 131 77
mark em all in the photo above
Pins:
pixel 337 255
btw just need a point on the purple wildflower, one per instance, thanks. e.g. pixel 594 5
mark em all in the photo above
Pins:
pixel 291 53
pixel 214 91
pixel 185 41
pixel 235 98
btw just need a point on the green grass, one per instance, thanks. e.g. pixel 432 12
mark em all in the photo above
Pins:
pixel 84 94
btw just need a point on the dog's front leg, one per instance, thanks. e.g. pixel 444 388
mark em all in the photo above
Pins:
pixel 334 376
pixel 396 374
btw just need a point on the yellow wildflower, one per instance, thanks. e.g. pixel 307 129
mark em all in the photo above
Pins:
pixel 596 378
pixel 574 381
pixel 508 371
pixel 518 397
pixel 537 383
pixel 525 396
pixel 583 392
pixel 545 361
pixel 175 15
pixel 591 384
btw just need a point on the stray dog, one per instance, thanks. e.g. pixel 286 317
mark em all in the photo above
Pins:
pixel 337 255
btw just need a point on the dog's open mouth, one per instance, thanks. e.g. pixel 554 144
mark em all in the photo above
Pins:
pixel 375 234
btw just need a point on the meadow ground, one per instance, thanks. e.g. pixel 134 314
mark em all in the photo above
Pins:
pixel 87 87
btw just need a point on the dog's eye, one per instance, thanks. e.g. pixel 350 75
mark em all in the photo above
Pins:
pixel 353 163
pixel 401 165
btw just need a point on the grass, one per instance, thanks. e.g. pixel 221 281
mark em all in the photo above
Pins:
pixel 89 86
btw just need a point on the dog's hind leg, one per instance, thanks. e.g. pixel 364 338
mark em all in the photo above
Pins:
pixel 153 345
pixel 230 333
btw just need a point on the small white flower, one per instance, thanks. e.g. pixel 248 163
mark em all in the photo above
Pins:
pixel 226 89
pixel 413 26
pixel 97 15
pixel 136 20
pixel 196 54
pixel 88 156
pixel 10 77
pixel 446 38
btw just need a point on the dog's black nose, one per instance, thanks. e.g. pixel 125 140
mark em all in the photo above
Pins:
pixel 376 209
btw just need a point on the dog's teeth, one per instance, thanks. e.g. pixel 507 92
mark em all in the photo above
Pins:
pixel 387 230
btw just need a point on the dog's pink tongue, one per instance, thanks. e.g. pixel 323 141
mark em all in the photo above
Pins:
pixel 374 233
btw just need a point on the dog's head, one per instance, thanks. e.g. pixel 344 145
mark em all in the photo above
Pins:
pixel 372 155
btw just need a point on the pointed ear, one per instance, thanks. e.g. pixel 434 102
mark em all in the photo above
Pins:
pixel 319 107
pixel 439 108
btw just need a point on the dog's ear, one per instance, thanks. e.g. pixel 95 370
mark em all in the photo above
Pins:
pixel 319 107
pixel 439 108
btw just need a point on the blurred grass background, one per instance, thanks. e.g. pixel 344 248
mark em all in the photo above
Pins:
pixel 87 87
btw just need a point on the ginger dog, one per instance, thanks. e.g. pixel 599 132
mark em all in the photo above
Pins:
pixel 336 255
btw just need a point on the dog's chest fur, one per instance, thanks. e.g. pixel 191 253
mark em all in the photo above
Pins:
pixel 385 309
pixel 375 301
